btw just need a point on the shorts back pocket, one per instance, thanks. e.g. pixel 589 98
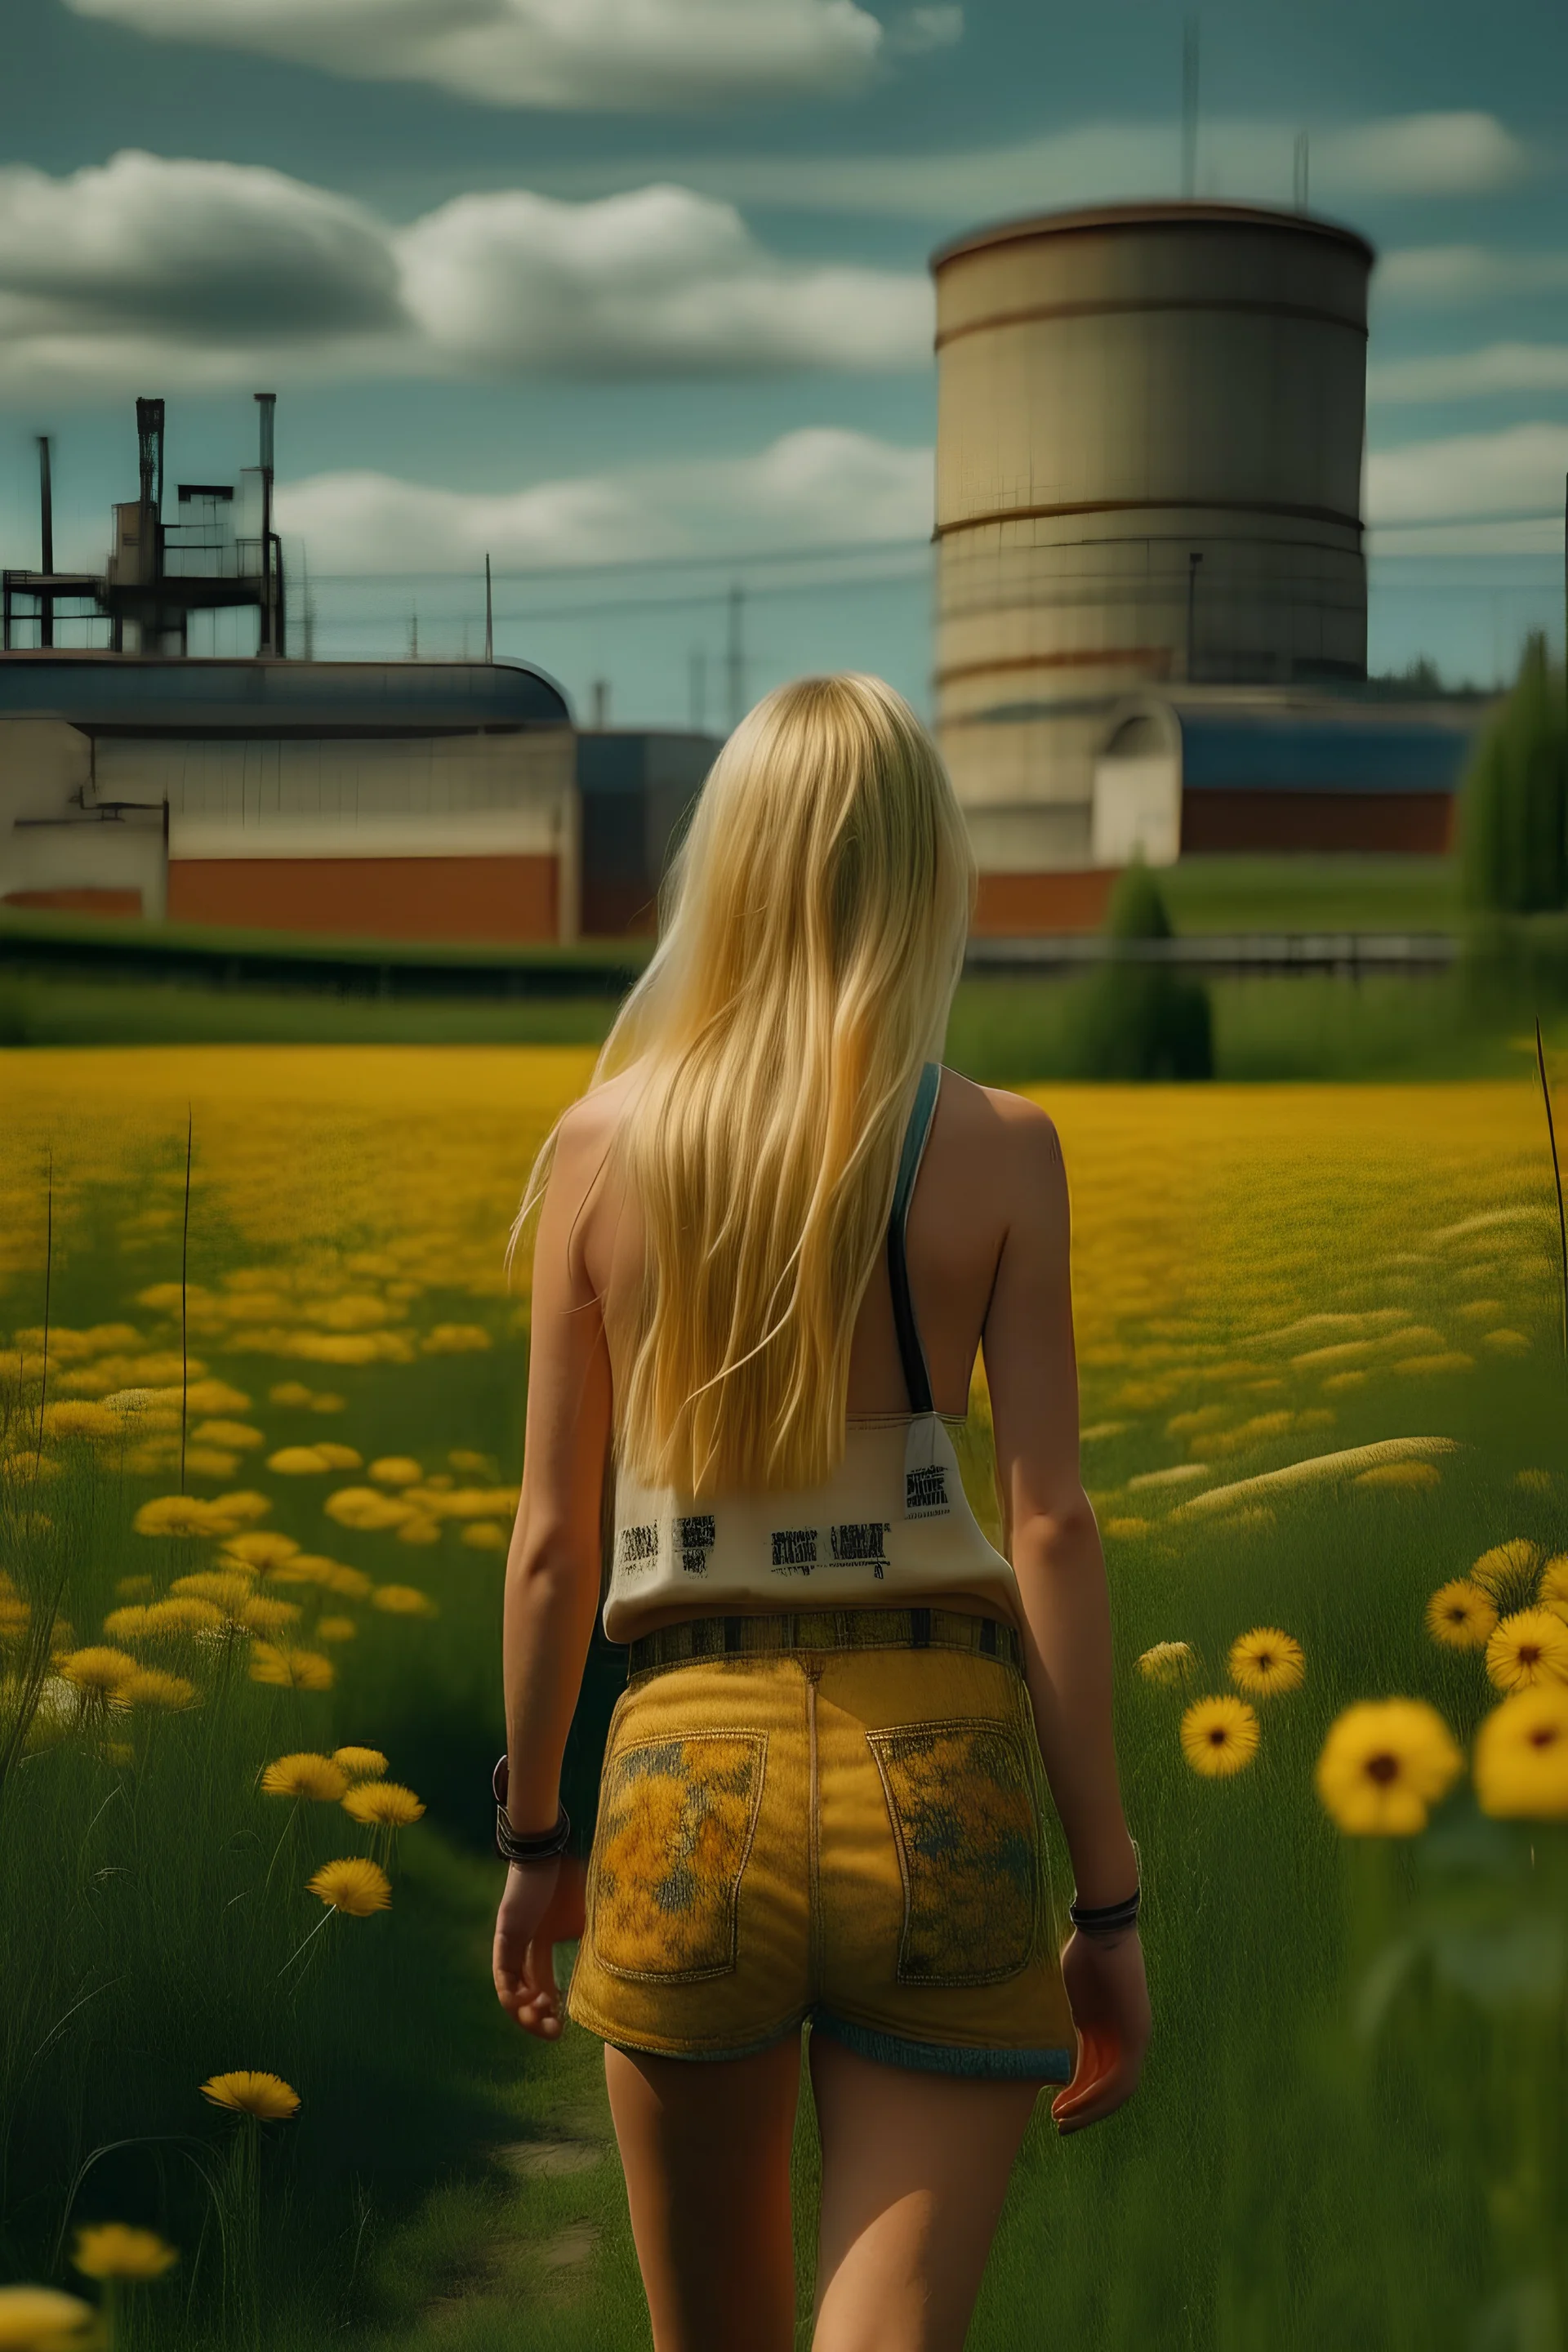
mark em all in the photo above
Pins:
pixel 962 1804
pixel 676 1821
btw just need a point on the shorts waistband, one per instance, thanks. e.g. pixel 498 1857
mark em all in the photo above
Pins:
pixel 825 1629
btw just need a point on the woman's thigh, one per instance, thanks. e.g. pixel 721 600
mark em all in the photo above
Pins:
pixel 914 2170
pixel 705 2146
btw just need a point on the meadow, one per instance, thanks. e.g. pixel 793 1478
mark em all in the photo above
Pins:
pixel 252 1529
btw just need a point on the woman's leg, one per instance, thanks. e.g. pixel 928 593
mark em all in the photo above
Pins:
pixel 914 2170
pixel 705 2146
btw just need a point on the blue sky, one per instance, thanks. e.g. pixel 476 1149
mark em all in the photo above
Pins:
pixel 633 292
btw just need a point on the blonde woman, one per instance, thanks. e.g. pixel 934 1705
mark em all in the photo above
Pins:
pixel 772 1238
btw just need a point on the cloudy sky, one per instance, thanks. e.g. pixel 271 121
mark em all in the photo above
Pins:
pixel 632 294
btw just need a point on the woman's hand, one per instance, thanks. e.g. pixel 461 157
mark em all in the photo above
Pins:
pixel 541 1905
pixel 1110 1997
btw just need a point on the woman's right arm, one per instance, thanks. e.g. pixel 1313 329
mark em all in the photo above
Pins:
pixel 1032 1372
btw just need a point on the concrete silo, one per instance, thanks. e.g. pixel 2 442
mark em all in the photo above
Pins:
pixel 1149 469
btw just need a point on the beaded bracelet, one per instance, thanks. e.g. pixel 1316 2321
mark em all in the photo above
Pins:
pixel 1106 1919
pixel 543 1846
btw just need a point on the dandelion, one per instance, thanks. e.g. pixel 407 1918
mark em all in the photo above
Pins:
pixel 185 1612
pixel 485 1535
pixel 355 1886
pixel 267 2098
pixel 305 1670
pixel 1219 1735
pixel 396 1470
pixel 1266 1661
pixel 1169 1663
pixel 1460 1614
pixel 403 1601
pixel 127 1624
pixel 363 1763
pixel 383 1804
pixel 150 1687
pixel 1527 1648
pixel 261 1550
pixel 293 1394
pixel 353 1584
pixel 364 1508
pixel 1553 1590
pixel 113 2250
pixel 339 1457
pixel 455 1340
pixel 470 1464
pixel 229 1590
pixel 1522 1756
pixel 1508 1572
pixel 15 1616
pixel 98 1672
pixel 42 2319
pixel 1533 1482
pixel 262 1614
pixel 335 1629
pixel 1384 1764
pixel 318 1779
pixel 417 1529
pixel 180 1514
pixel 298 1461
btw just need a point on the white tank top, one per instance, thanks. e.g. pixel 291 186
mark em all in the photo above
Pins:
pixel 891 1524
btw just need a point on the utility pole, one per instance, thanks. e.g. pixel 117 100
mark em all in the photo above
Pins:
pixel 735 658
pixel 601 693
pixel 1190 109
pixel 1302 159
pixel 310 606
pixel 413 635
pixel 489 617
pixel 1193 559
pixel 266 402
pixel 46 545
pixel 696 698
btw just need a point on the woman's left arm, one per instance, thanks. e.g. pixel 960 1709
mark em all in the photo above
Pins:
pixel 552 1573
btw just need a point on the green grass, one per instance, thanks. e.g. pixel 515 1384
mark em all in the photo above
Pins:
pixel 1305 893
pixel 1352 2126
pixel 46 1011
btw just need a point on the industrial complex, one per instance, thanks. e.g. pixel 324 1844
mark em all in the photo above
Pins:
pixel 1149 639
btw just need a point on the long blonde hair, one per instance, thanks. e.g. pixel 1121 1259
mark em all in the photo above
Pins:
pixel 815 924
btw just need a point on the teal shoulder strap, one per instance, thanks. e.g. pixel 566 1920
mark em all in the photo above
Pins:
pixel 917 1380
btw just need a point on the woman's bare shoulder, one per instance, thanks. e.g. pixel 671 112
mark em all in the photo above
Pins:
pixel 1006 1132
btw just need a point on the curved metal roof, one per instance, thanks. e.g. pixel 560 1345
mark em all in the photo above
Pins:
pixel 1095 220
pixel 158 694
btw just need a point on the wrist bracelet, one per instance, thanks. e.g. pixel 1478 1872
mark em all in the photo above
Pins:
pixel 543 1845
pixel 1106 1919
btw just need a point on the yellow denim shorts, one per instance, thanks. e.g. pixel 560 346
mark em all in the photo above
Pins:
pixel 836 1816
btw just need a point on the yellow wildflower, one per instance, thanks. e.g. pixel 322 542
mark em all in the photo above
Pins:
pixel 1553 1590
pixel 183 1613
pixel 321 1779
pixel 266 2096
pixel 262 1614
pixel 42 2319
pixel 292 1393
pixel 1384 1764
pixel 101 1670
pixel 134 1588
pixel 1266 1661
pixel 355 1886
pixel 261 1550
pixel 383 1804
pixel 1529 1647
pixel 1169 1663
pixel 396 1470
pixel 298 1461
pixel 150 1687
pixel 1219 1735
pixel 335 1629
pixel 180 1514
pixel 470 1465
pixel 1460 1614
pixel 226 1588
pixel 364 1508
pixel 403 1601
pixel 419 1529
pixel 305 1670
pixel 364 1763
pixel 485 1535
pixel 240 1510
pixel 351 1583
pixel 127 1624
pixel 1508 1572
pixel 1415 1476
pixel 455 1340
pixel 338 1457
pixel 1522 1756
pixel 113 2250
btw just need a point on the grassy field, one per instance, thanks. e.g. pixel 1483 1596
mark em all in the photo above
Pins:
pixel 1353 2129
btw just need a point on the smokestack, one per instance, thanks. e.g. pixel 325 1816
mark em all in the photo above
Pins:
pixel 266 402
pixel 46 543
pixel 150 451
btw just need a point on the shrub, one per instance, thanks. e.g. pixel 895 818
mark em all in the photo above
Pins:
pixel 1514 813
pixel 1141 1019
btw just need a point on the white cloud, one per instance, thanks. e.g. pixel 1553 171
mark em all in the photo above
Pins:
pixel 196 275
pixel 1469 375
pixel 195 267
pixel 817 488
pixel 1099 163
pixel 1517 472
pixel 618 54
pixel 1440 276
pixel 657 280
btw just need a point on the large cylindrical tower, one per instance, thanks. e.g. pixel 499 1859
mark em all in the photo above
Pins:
pixel 1148 468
